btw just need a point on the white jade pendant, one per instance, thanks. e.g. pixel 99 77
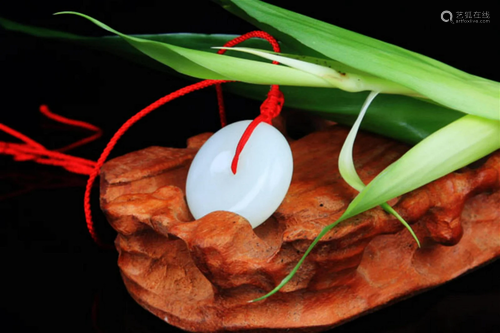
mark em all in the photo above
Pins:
pixel 260 184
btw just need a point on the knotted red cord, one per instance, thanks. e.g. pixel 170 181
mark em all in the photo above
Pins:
pixel 268 110
pixel 36 152
pixel 231 43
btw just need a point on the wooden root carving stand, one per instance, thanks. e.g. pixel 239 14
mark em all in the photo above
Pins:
pixel 199 275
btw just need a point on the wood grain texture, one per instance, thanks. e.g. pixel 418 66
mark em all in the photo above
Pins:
pixel 200 274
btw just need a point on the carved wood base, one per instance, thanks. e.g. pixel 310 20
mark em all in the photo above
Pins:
pixel 199 275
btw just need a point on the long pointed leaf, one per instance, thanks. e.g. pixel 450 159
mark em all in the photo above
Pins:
pixel 424 162
pixel 348 170
pixel 454 146
pixel 346 162
pixel 439 82
pixel 207 65
pixel 339 75
pixel 399 117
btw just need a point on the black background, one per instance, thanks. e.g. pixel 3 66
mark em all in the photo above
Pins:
pixel 53 277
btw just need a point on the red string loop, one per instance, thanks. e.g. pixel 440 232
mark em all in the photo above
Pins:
pixel 271 107
pixel 32 150
pixel 231 43
pixel 111 144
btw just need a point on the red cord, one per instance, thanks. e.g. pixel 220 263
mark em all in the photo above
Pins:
pixel 32 150
pixel 268 110
pixel 231 43
pixel 78 123
pixel 118 135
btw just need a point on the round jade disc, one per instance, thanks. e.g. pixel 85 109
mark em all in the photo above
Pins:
pixel 260 184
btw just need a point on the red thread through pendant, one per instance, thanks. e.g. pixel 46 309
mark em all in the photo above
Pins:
pixel 31 150
pixel 269 109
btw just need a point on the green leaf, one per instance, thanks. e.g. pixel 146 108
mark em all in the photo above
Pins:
pixel 452 147
pixel 346 162
pixel 348 170
pixel 439 154
pixel 392 211
pixel 431 78
pixel 120 47
pixel 207 65
pixel 335 73
pixel 402 118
